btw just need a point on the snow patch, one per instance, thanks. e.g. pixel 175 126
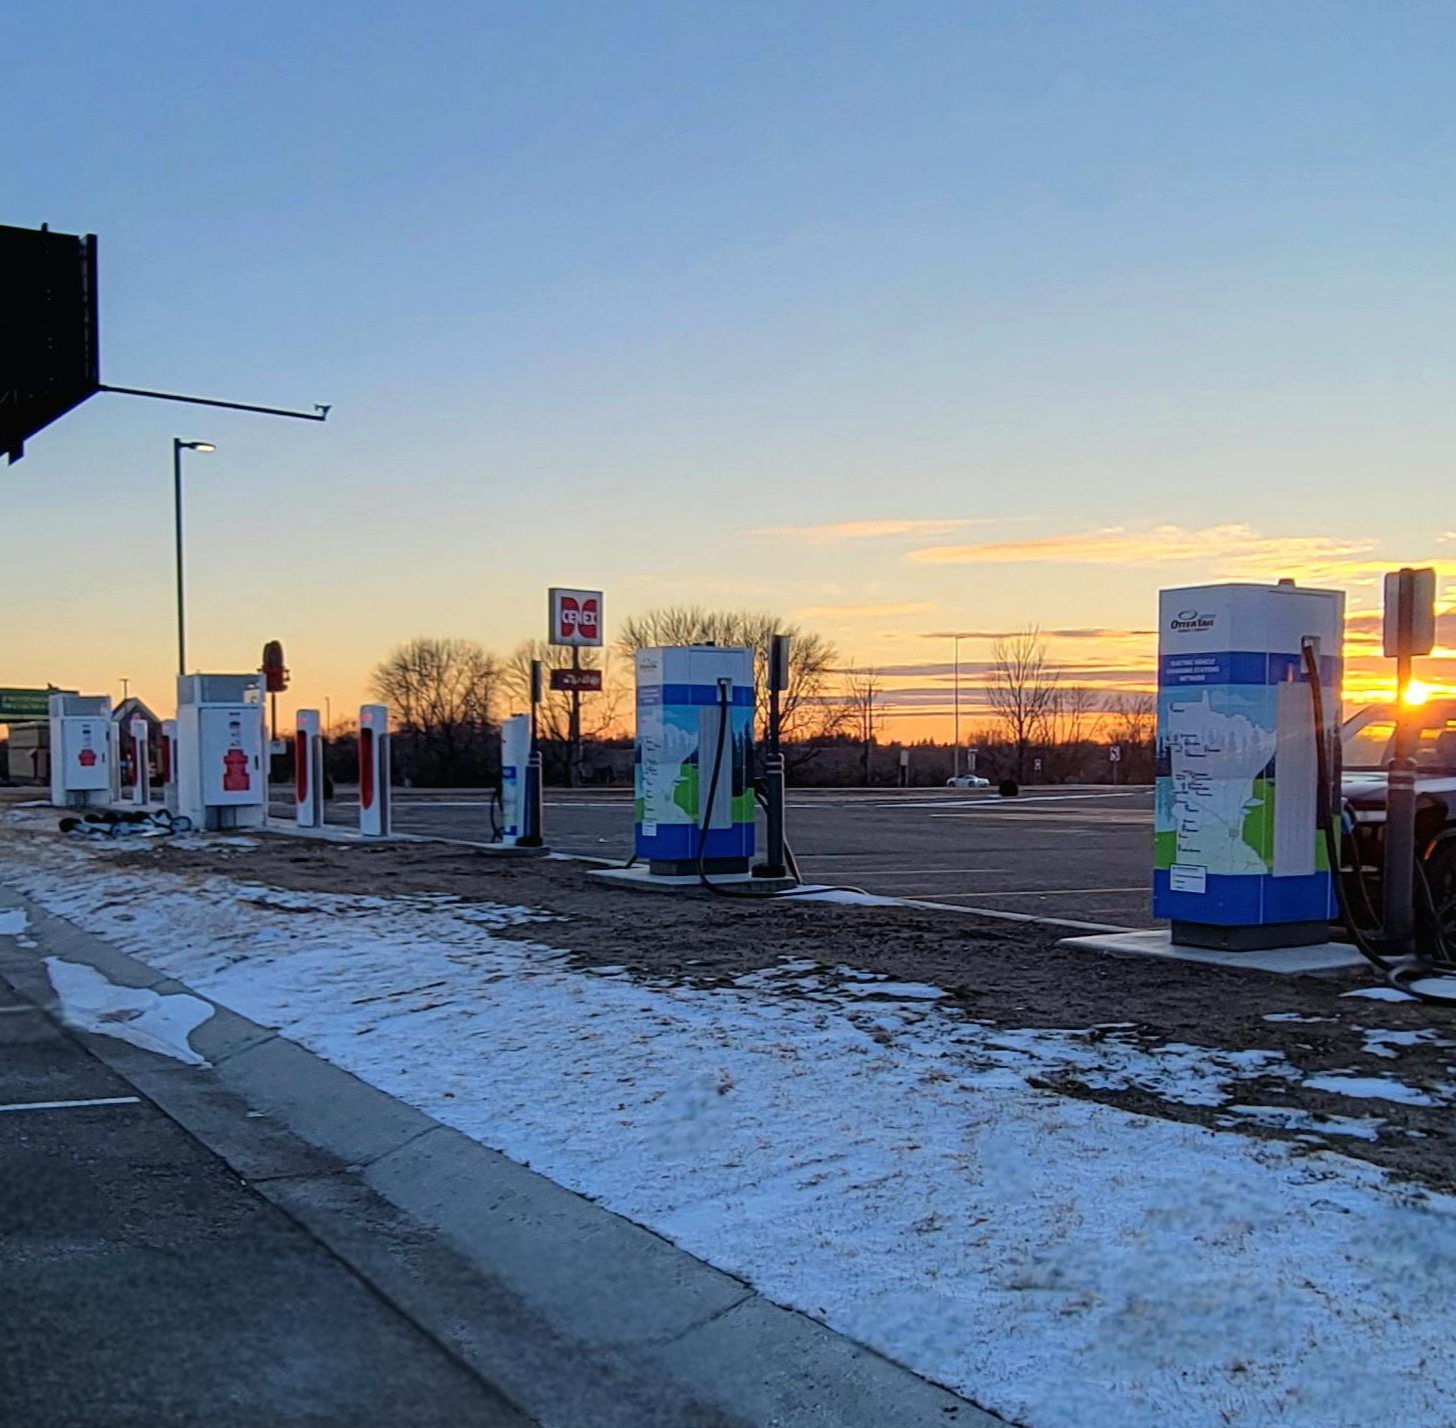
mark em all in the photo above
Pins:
pixel 1370 1088
pixel 1381 994
pixel 13 922
pixel 159 1023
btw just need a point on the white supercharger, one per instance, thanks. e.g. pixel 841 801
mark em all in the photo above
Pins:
pixel 515 754
pixel 221 778
pixel 83 751
pixel 374 767
pixel 169 764
pixel 308 770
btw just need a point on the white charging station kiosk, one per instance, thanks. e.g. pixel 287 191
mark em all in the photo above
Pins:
pixel 221 778
pixel 169 765
pixel 141 780
pixel 1240 861
pixel 515 751
pixel 308 770
pixel 374 771
pixel 83 750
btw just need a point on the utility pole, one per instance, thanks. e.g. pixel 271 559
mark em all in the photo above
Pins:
pixel 574 732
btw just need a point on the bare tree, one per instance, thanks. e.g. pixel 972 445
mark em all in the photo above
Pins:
pixel 1021 690
pixel 862 690
pixel 600 713
pixel 441 695
pixel 1072 717
pixel 808 711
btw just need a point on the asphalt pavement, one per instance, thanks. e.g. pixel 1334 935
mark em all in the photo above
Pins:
pixel 1062 852
pixel 145 1283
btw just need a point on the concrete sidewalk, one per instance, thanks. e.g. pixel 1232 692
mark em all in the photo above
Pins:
pixel 579 1318
pixel 146 1283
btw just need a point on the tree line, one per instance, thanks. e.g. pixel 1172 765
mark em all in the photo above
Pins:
pixel 448 696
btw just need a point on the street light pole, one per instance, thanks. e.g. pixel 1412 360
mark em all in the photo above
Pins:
pixel 178 447
pixel 956 648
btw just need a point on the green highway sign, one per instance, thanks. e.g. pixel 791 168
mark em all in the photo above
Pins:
pixel 18 704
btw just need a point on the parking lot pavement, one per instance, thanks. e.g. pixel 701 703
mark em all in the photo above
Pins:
pixel 146 1284
pixel 1063 852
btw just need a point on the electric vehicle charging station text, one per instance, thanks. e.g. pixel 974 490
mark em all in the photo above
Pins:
pixel 221 778
pixel 83 750
pixel 374 813
pixel 1239 859
pixel 308 769
pixel 683 695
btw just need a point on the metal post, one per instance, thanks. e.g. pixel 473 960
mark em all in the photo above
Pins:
pixel 774 865
pixel 574 773
pixel 1400 817
pixel 177 512
pixel 531 819
pixel 956 759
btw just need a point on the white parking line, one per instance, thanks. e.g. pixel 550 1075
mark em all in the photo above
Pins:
pixel 71 1105
pixel 1034 892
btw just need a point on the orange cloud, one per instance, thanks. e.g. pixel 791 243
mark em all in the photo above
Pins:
pixel 862 612
pixel 1233 549
pixel 838 532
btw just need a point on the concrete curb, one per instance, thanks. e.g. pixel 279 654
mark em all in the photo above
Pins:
pixel 582 1318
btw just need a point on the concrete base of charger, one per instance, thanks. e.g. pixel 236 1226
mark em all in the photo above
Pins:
pixel 512 850
pixel 1291 961
pixel 639 879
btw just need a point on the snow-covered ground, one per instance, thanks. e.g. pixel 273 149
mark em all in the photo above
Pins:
pixel 859 1151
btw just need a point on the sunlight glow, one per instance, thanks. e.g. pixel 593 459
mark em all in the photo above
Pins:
pixel 1416 693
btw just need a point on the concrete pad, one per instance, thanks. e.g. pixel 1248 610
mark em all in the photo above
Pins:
pixel 601 1279
pixel 771 1365
pixel 1290 961
pixel 328 1107
pixel 638 879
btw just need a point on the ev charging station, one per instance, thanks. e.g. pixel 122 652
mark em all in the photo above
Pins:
pixel 515 758
pixel 308 770
pixel 169 765
pixel 694 718
pixel 141 787
pixel 221 778
pixel 1240 862
pixel 374 819
pixel 83 750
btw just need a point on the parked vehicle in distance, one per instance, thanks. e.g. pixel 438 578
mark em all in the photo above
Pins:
pixel 968 781
pixel 1365 749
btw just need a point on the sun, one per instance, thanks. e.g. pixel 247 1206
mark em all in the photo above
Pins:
pixel 1416 693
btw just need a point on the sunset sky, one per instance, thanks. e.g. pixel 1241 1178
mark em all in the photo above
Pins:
pixel 894 319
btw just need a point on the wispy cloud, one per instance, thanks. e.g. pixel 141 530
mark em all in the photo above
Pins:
pixel 1234 549
pixel 863 612
pixel 841 532
pixel 1090 632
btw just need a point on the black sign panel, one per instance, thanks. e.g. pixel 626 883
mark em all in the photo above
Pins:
pixel 589 681
pixel 49 359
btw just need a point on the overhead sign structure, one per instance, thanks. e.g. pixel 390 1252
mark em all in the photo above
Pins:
pixel 49 352
pixel 576 617
pixel 586 681
pixel 17 705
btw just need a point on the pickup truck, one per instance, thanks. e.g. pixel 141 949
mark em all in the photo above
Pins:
pixel 1365 745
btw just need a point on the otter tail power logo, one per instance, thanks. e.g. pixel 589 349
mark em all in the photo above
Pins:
pixel 576 617
pixel 1186 621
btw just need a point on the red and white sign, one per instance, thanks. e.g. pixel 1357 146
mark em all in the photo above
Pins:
pixel 576 616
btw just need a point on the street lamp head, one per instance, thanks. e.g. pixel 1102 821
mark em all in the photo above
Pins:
pixel 199 446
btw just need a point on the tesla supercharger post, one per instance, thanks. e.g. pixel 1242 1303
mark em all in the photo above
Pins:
pixel 83 750
pixel 681 698
pixel 1239 858
pixel 773 865
pixel 515 755
pixel 221 779
pixel 308 770
pixel 169 765
pixel 141 787
pixel 374 771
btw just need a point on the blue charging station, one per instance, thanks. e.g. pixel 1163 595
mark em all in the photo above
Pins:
pixel 683 696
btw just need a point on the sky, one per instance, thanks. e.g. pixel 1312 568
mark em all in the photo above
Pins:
pixel 893 320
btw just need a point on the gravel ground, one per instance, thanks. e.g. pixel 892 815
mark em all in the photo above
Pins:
pixel 1009 974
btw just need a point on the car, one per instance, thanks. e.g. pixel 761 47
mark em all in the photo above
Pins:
pixel 968 781
pixel 1365 750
